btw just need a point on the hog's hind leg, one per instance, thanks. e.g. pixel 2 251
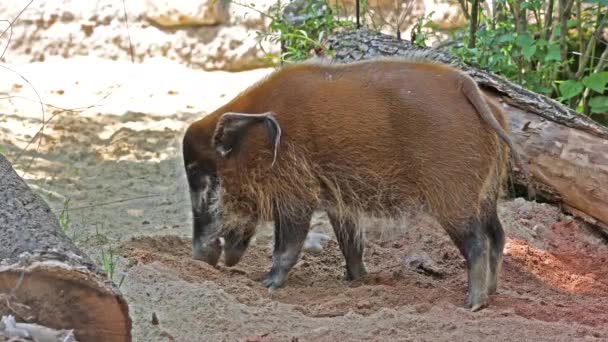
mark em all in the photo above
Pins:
pixel 496 236
pixel 351 244
pixel 289 236
pixel 472 241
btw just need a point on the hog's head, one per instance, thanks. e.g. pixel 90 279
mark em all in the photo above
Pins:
pixel 206 143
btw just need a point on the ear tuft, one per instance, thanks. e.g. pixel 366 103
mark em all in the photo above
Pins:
pixel 232 126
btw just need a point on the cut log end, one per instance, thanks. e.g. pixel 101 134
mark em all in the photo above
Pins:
pixel 61 296
pixel 44 278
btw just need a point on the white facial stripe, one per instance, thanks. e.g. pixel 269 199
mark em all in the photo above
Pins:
pixel 205 192
pixel 197 201
pixel 215 200
pixel 200 198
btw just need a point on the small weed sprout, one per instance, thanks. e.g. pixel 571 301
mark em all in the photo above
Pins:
pixel 305 32
pixel 423 30
pixel 64 217
pixel 108 261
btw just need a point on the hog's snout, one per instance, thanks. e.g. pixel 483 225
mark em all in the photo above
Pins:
pixel 232 255
pixel 234 249
pixel 208 252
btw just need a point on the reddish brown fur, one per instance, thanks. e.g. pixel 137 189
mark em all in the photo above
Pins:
pixel 419 139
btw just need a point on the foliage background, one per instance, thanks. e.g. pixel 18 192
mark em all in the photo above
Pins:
pixel 554 47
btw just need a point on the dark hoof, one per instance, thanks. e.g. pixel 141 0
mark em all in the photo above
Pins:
pixel 273 280
pixel 355 273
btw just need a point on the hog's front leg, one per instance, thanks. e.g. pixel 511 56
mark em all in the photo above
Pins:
pixel 289 236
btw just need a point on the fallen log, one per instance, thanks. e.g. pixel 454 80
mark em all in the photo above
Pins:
pixel 44 278
pixel 566 153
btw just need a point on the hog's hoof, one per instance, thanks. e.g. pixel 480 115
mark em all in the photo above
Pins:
pixel 354 273
pixel 274 280
pixel 315 242
pixel 476 304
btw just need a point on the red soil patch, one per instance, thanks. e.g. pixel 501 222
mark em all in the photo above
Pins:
pixel 567 281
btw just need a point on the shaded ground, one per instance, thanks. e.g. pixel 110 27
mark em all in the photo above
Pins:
pixel 120 166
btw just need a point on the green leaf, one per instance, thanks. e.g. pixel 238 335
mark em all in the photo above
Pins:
pixel 597 81
pixel 553 53
pixel 528 51
pixel 570 89
pixel 557 31
pixel 321 34
pixel 472 51
pixel 515 54
pixel 531 5
pixel 432 25
pixel 599 104
pixel 573 23
pixel 524 39
pixel 505 38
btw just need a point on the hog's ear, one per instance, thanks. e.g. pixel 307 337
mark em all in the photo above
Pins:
pixel 232 126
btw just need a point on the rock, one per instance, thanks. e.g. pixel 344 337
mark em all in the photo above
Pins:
pixel 296 12
pixel 384 14
pixel 421 262
pixel 233 48
pixel 181 32
pixel 13 331
pixel 173 14
pixel 315 242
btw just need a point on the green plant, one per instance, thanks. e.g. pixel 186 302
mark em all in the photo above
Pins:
pixel 108 261
pixel 424 28
pixel 99 238
pixel 553 47
pixel 598 103
pixel 107 258
pixel 522 57
pixel 64 217
pixel 298 38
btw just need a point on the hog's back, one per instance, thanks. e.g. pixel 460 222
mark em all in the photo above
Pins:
pixel 405 126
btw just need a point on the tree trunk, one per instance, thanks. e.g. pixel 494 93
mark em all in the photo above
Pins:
pixel 44 278
pixel 566 153
pixel 473 23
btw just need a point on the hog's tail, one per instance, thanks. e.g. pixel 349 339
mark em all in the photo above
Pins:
pixel 473 93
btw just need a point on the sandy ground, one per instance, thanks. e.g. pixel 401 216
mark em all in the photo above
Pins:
pixel 119 164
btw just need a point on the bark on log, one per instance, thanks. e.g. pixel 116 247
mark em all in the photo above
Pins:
pixel 44 278
pixel 566 153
